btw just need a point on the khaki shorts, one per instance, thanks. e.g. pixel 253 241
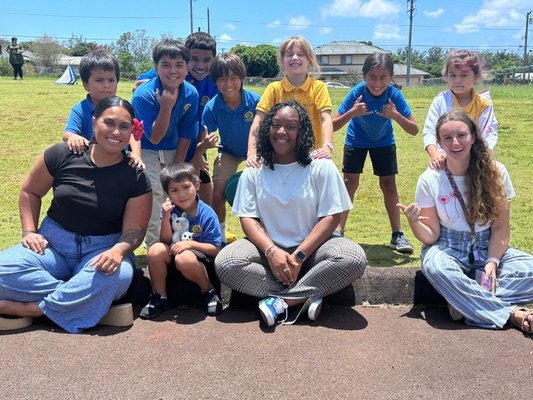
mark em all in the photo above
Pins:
pixel 225 166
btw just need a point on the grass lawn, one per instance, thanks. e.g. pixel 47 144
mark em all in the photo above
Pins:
pixel 33 114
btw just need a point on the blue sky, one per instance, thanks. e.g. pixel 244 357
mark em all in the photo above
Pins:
pixel 475 24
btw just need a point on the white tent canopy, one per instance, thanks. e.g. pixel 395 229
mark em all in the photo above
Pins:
pixel 68 77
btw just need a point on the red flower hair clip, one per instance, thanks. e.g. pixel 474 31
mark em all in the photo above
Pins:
pixel 137 129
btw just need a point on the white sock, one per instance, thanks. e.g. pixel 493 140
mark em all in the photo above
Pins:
pixel 223 231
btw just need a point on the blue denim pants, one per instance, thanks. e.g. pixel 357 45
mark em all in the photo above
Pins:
pixel 62 281
pixel 445 265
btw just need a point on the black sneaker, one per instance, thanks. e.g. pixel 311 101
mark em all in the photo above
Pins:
pixel 155 307
pixel 400 244
pixel 213 305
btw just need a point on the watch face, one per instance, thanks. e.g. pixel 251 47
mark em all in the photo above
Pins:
pixel 300 255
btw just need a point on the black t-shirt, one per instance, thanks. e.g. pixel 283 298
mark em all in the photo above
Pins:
pixel 90 200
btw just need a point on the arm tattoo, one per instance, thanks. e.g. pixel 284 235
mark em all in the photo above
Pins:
pixel 132 238
pixel 260 228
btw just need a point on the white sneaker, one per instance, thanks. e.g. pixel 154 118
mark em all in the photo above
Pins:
pixel 314 309
pixel 456 315
pixel 118 315
pixel 270 308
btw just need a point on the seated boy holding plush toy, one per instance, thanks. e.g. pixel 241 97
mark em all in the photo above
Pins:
pixel 190 236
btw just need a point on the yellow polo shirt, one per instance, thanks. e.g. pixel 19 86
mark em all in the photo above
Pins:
pixel 313 95
pixel 475 108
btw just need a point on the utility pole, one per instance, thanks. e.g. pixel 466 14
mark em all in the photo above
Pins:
pixel 190 12
pixel 528 21
pixel 208 22
pixel 410 10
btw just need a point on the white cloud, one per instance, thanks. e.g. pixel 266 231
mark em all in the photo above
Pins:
pixel 387 32
pixel 224 38
pixel 274 24
pixel 466 28
pixel 298 23
pixel 360 8
pixel 433 14
pixel 229 26
pixel 325 30
pixel 498 14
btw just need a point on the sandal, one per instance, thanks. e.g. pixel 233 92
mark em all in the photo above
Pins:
pixel 518 321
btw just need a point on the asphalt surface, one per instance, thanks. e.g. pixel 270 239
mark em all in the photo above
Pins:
pixel 385 352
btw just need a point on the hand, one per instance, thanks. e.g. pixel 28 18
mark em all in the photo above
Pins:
pixel 109 261
pixel 359 108
pixel 295 265
pixel 77 143
pixel 253 161
pixel 323 152
pixel 437 160
pixel 210 141
pixel 490 273
pixel 167 207
pixel 167 99
pixel 279 262
pixel 389 110
pixel 412 212
pixel 180 247
pixel 35 242
pixel 135 162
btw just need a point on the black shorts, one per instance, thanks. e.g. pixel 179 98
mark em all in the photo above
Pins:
pixel 204 177
pixel 383 160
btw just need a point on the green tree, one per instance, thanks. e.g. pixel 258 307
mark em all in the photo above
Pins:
pixel 78 46
pixel 48 51
pixel 259 60
pixel 133 51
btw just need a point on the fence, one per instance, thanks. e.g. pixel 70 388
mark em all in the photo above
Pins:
pixel 506 76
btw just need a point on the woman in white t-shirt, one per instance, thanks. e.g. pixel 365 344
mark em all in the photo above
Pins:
pixel 461 215
pixel 289 208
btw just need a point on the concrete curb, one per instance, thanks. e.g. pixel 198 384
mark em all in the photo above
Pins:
pixel 378 285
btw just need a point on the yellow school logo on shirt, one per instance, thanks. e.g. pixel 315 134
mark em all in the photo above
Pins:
pixel 248 116
pixel 196 229
pixel 187 106
pixel 205 100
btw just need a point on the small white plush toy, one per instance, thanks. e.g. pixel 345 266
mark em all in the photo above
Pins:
pixel 187 236
pixel 180 225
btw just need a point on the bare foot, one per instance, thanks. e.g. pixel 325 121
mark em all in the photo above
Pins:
pixel 20 309
pixel 522 318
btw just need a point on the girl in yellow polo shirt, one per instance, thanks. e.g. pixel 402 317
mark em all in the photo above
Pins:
pixel 297 59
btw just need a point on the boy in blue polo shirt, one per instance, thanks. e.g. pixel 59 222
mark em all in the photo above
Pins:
pixel 231 112
pixel 168 107
pixel 100 74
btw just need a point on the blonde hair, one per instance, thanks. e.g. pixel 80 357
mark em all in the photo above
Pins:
pixel 305 48
pixel 483 180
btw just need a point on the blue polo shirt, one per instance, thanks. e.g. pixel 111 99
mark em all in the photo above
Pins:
pixel 147 75
pixel 206 89
pixel 80 120
pixel 183 119
pixel 233 126
pixel 371 131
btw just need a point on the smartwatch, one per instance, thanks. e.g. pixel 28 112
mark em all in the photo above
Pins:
pixel 300 255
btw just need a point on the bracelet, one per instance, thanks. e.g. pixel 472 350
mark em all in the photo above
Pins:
pixel 270 250
pixel 494 260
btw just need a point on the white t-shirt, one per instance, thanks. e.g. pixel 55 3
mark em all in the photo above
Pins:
pixel 434 190
pixel 290 199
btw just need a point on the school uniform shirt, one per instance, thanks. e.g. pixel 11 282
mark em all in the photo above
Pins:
pixel 291 198
pixel 206 89
pixel 204 226
pixel 233 125
pixel 183 119
pixel 373 130
pixel 434 190
pixel 480 109
pixel 80 120
pixel 313 95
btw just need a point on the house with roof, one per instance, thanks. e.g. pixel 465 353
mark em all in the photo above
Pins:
pixel 341 60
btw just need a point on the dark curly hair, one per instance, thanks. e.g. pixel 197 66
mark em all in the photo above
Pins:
pixel 304 143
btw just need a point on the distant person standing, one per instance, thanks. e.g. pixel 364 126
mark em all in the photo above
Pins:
pixel 15 57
